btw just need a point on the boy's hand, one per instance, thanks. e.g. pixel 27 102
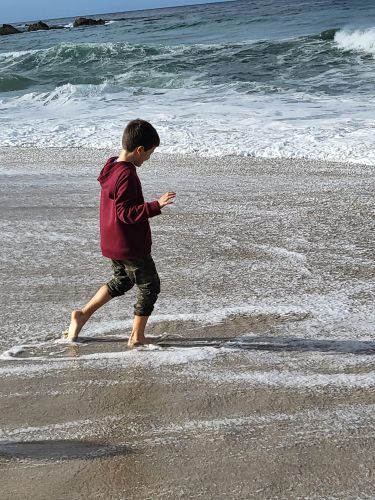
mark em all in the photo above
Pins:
pixel 166 199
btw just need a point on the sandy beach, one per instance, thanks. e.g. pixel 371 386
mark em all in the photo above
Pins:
pixel 259 381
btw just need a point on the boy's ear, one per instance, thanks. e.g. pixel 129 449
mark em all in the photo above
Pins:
pixel 140 149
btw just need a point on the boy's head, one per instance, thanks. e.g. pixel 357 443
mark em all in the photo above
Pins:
pixel 139 133
pixel 140 138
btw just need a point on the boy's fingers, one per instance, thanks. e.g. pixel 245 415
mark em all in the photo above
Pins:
pixel 167 198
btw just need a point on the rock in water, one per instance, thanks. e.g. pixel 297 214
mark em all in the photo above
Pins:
pixel 329 34
pixel 8 29
pixel 85 21
pixel 38 26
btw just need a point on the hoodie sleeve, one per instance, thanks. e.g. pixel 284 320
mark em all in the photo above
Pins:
pixel 128 208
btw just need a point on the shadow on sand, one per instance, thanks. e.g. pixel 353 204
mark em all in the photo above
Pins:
pixel 266 343
pixel 59 450
pixel 258 343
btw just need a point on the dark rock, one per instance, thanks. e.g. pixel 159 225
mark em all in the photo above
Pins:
pixel 38 26
pixel 329 34
pixel 85 21
pixel 57 28
pixel 8 29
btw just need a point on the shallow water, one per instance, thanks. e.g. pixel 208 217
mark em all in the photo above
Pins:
pixel 287 243
pixel 262 353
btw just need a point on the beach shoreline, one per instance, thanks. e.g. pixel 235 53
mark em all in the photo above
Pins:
pixel 259 382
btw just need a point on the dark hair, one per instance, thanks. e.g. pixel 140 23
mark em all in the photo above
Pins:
pixel 139 133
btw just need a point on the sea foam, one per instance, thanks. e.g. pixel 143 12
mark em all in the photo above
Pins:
pixel 12 352
pixel 274 126
pixel 361 39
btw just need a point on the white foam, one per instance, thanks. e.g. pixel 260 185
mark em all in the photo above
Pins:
pixel 292 125
pixel 170 356
pixel 12 352
pixel 64 428
pixel 29 367
pixel 336 419
pixel 294 379
pixel 360 39
pixel 65 341
pixel 305 425
pixel 143 356
pixel 17 53
pixel 35 393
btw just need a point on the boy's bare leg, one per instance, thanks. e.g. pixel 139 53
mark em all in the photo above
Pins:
pixel 138 332
pixel 79 317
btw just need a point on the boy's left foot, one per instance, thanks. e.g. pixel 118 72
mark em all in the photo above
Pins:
pixel 78 319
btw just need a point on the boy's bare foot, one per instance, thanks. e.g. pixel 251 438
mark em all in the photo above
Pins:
pixel 78 319
pixel 136 341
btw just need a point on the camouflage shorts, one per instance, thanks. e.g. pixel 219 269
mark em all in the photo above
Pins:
pixel 141 272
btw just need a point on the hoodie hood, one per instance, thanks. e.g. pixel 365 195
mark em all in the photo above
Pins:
pixel 110 172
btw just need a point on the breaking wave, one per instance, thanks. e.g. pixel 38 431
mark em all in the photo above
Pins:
pixel 362 40
pixel 255 66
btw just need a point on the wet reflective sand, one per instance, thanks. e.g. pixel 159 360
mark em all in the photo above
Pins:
pixel 259 381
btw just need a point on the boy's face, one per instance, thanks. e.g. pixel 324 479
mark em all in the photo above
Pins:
pixel 143 155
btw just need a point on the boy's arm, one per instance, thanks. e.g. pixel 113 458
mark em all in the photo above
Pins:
pixel 127 208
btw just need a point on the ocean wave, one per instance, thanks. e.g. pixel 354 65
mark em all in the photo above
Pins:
pixel 81 53
pixel 252 64
pixel 61 95
pixel 13 82
pixel 11 57
pixel 362 40
pixel 182 25
pixel 118 51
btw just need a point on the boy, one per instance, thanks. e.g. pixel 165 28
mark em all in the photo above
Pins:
pixel 125 234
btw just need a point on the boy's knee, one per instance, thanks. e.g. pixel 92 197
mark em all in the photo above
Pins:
pixel 149 291
pixel 120 281
pixel 117 287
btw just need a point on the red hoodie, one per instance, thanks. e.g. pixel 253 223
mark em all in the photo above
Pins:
pixel 124 228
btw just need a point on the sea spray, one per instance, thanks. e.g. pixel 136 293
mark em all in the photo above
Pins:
pixel 356 40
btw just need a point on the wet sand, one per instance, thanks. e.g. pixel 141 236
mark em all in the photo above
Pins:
pixel 158 433
pixel 259 382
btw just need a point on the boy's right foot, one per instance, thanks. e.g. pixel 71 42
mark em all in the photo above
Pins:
pixel 78 319
pixel 135 341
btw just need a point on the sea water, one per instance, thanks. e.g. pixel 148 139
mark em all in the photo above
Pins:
pixel 258 78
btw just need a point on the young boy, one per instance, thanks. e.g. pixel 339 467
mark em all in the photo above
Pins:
pixel 125 235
